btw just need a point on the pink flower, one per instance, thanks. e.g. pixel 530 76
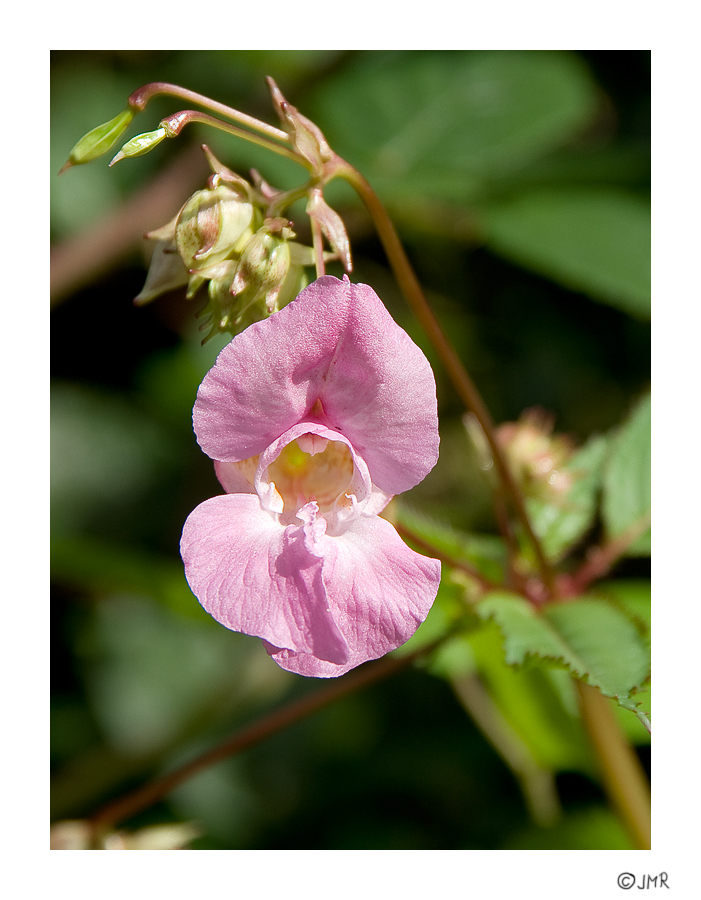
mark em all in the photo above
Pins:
pixel 315 418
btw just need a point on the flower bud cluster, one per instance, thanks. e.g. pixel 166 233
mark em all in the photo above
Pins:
pixel 537 457
pixel 224 237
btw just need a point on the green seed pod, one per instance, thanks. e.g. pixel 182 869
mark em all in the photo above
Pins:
pixel 99 140
pixel 210 226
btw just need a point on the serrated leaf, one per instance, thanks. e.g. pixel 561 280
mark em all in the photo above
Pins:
pixel 561 523
pixel 595 240
pixel 538 703
pixel 589 637
pixel 442 124
pixel 626 488
pixel 634 596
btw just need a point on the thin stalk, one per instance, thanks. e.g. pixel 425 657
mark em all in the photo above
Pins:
pixel 318 248
pixel 175 123
pixel 140 97
pixel 131 804
pixel 462 382
pixel 624 779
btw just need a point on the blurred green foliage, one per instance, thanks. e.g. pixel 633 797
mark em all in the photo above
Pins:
pixel 520 184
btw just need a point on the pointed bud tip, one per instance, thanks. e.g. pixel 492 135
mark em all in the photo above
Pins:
pixel 66 166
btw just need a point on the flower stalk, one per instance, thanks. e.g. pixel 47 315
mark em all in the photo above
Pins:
pixel 462 382
pixel 139 99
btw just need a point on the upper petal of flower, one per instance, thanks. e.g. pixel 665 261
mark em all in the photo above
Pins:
pixel 379 591
pixel 334 352
pixel 256 577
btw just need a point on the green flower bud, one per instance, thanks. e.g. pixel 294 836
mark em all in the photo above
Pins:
pixel 141 144
pixel 98 141
pixel 264 263
pixel 262 281
pixel 211 226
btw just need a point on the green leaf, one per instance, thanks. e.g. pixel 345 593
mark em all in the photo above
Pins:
pixel 539 703
pixel 589 637
pixel 594 240
pixel 561 524
pixel 626 489
pixel 443 124
pixel 634 597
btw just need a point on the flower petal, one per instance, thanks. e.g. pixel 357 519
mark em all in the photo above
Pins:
pixel 256 577
pixel 379 591
pixel 337 344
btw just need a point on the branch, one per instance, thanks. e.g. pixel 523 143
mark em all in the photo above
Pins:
pixel 129 805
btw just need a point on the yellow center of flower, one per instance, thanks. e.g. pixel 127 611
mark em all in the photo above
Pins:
pixel 312 468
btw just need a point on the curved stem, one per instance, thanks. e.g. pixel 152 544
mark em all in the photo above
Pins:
pixel 462 382
pixel 175 123
pixel 318 248
pixel 141 96
pixel 622 774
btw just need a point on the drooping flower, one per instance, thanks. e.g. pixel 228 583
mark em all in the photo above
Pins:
pixel 315 418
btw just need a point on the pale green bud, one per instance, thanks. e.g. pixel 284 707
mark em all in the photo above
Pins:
pixel 264 263
pixel 211 225
pixel 258 285
pixel 99 140
pixel 141 144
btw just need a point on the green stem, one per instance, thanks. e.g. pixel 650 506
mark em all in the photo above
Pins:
pixel 140 97
pixel 175 123
pixel 622 774
pixel 462 382
pixel 318 248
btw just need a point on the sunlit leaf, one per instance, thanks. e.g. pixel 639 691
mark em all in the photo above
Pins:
pixel 589 637
pixel 627 491
pixel 594 240
pixel 444 123
pixel 592 828
pixel 536 701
